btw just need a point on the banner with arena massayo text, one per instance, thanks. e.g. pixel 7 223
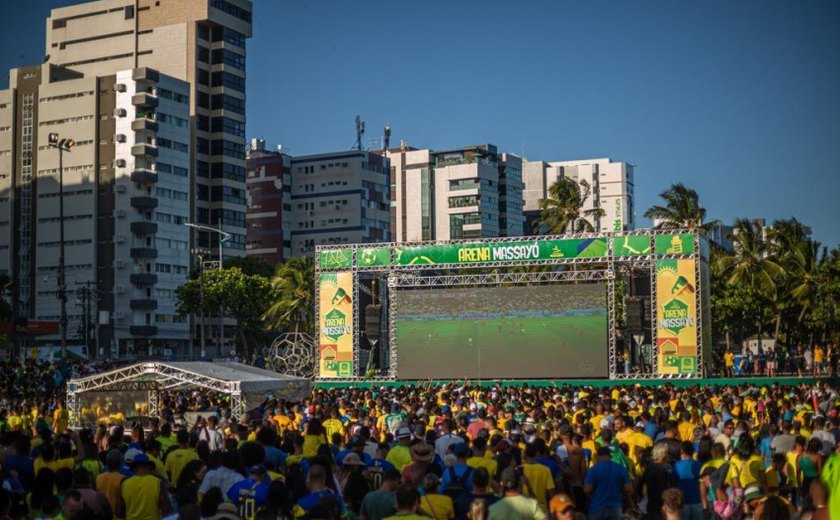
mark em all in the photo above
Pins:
pixel 335 324
pixel 676 316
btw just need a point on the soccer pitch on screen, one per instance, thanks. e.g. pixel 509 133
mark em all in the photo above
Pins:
pixel 503 332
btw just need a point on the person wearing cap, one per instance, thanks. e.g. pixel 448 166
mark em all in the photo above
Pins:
pixel 357 446
pixel 513 505
pixel 142 496
pixel 561 507
pixel 459 475
pixel 400 455
pixel 250 494
pixel 108 482
pixel 422 456
pixel 637 442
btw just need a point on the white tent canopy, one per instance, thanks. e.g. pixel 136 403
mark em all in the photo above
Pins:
pixel 247 386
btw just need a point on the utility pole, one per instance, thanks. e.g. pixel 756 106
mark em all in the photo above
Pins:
pixel 63 145
pixel 200 254
pixel 223 237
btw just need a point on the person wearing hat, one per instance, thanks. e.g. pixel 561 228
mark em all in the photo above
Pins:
pixel 637 442
pixel 142 496
pixel 108 483
pixel 251 494
pixel 357 446
pixel 422 455
pixel 513 505
pixel 561 507
pixel 400 455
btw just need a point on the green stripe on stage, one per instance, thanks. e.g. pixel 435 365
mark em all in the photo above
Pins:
pixel 601 383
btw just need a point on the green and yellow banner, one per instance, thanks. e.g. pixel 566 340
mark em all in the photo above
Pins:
pixel 490 252
pixel 335 324
pixel 676 315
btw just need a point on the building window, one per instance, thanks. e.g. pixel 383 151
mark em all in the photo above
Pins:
pixel 226 79
pixel 228 126
pixel 233 10
pixel 225 102
pixel 227 148
pixel 228 57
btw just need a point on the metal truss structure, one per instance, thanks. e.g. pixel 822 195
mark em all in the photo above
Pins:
pixel 578 269
pixel 152 377
pixel 294 353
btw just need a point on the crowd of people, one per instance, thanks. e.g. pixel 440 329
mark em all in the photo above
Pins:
pixel 808 360
pixel 443 452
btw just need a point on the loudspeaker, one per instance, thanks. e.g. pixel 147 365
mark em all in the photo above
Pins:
pixel 634 313
pixel 372 316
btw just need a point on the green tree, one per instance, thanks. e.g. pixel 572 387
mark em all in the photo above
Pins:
pixel 750 265
pixel 292 297
pixel 823 318
pixel 245 298
pixel 563 211
pixel 682 209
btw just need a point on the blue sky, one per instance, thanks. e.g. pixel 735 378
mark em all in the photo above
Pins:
pixel 736 99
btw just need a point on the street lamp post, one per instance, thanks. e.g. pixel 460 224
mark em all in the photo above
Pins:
pixel 200 254
pixel 63 145
pixel 223 237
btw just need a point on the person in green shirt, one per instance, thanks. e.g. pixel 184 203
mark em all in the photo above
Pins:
pixel 515 506
pixel 407 499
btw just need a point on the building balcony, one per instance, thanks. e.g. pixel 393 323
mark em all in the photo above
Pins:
pixel 144 100
pixel 143 304
pixel 144 227
pixel 139 150
pixel 144 202
pixel 144 176
pixel 145 74
pixel 143 124
pixel 143 278
pixel 144 253
pixel 142 330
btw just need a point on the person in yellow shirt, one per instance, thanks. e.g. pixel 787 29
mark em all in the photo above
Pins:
pixel 819 356
pixel 622 429
pixel 334 425
pixel 313 439
pixel 775 473
pixel 60 419
pixel 479 458
pixel 435 505
pixel 142 496
pixel 637 442
pixel 539 482
pixel 48 457
pixel 408 502
pixel 729 364
pixel 400 455
pixel 686 427
pixel 177 459
pixel 746 466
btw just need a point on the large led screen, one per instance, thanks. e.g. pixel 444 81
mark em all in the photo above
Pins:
pixel 503 332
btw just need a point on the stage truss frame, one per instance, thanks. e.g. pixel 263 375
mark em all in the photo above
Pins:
pixel 152 377
pixel 607 268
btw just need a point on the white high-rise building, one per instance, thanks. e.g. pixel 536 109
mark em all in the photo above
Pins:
pixel 611 185
pixel 471 192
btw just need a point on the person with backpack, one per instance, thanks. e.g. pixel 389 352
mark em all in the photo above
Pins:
pixel 457 479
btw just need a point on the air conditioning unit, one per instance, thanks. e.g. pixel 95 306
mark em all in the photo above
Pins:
pixel 119 163
pixel 119 239
pixel 119 289
pixel 119 315
pixel 120 112
pixel 119 138
pixel 119 213
pixel 119 188
pixel 119 87
pixel 119 264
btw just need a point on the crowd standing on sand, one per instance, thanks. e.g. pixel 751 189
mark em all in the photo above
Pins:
pixel 428 450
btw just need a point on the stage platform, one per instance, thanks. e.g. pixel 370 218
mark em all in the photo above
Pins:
pixel 601 383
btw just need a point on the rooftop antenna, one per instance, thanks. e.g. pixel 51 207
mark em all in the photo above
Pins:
pixel 360 131
pixel 386 140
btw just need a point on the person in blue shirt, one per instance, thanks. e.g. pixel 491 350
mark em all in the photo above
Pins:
pixel 605 484
pixel 687 472
pixel 650 426
pixel 459 472
pixel 316 484
pixel 377 467
pixel 251 494
pixel 357 446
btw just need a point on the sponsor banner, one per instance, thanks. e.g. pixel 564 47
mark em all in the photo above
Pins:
pixel 335 258
pixel 676 316
pixel 501 252
pixel 633 245
pixel 373 257
pixel 679 244
pixel 335 324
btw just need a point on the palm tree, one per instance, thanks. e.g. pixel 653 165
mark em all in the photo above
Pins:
pixel 5 296
pixel 563 210
pixel 751 265
pixel 682 209
pixel 293 288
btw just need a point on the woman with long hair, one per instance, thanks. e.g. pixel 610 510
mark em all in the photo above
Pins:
pixel 810 464
pixel 189 480
pixel 315 436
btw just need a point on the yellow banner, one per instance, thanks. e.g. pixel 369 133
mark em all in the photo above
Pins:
pixel 676 316
pixel 335 324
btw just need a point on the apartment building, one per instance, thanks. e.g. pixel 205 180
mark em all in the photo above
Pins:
pixel 199 41
pixel 611 184
pixel 125 184
pixel 470 192
pixel 269 218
